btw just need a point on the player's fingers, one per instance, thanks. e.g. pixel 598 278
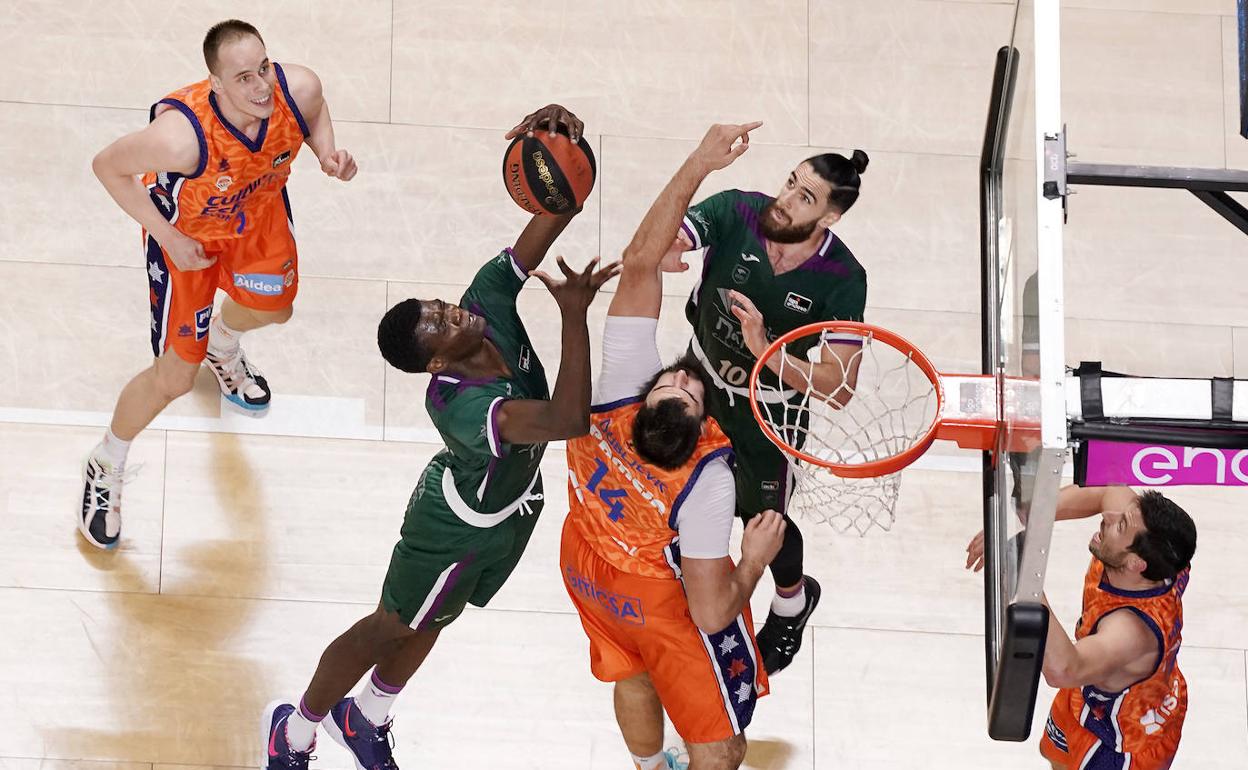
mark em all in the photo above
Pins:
pixel 738 151
pixel 546 279
pixel 578 127
pixel 593 263
pixel 746 128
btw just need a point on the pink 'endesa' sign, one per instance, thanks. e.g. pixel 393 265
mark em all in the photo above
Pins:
pixel 1157 465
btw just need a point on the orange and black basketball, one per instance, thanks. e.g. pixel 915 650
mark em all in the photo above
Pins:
pixel 549 175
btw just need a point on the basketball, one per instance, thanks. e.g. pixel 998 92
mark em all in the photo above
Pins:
pixel 549 175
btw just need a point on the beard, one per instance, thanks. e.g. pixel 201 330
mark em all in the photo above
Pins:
pixel 1109 560
pixel 789 233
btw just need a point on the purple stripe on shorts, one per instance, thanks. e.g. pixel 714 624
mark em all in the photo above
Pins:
pixel 451 581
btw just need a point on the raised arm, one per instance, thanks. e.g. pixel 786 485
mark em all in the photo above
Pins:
pixel 542 230
pixel 168 143
pixel 1072 503
pixel 566 414
pixel 305 87
pixel 640 292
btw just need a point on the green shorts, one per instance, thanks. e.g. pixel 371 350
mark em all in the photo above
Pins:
pixel 442 563
pixel 764 479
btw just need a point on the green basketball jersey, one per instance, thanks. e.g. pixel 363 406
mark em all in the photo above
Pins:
pixel 829 286
pixel 488 473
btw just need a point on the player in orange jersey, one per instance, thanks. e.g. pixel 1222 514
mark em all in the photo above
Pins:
pixel 1122 698
pixel 645 545
pixel 215 215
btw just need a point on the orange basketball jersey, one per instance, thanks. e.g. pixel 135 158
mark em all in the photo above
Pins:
pixel 1146 718
pixel 624 508
pixel 238 179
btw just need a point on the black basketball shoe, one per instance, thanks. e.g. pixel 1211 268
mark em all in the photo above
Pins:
pixel 781 636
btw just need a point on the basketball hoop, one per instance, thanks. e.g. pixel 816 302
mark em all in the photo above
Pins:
pixel 886 406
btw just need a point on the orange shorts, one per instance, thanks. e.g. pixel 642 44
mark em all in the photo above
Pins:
pixel 259 270
pixel 708 683
pixel 1069 744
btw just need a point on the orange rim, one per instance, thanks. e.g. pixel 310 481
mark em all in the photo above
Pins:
pixel 873 467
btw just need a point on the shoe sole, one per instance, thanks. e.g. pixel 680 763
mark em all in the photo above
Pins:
pixel 253 410
pixel 243 408
pixel 82 524
pixel 266 729
pixel 334 732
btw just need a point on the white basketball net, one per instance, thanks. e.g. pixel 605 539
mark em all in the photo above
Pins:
pixel 886 404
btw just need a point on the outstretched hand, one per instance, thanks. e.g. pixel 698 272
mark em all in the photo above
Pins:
pixel 576 291
pixel 720 147
pixel 975 553
pixel 551 116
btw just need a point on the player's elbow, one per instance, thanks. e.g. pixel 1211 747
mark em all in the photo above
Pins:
pixel 100 164
pixel 1061 676
pixel 572 426
pixel 710 620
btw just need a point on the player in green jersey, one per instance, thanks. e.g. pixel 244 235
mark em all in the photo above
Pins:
pixel 476 504
pixel 774 263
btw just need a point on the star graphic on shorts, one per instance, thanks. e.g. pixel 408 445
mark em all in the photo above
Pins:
pixel 744 691
pixel 157 275
pixel 737 668
pixel 729 644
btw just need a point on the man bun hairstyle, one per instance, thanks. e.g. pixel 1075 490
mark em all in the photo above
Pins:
pixel 1169 539
pixel 225 32
pixel 396 337
pixel 843 174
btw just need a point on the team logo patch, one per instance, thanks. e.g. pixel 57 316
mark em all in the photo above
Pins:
pixel 185 330
pixel 289 278
pixel 203 317
pixel 740 274
pixel 259 283
pixel 625 609
pixel 526 357
pixel 797 302
pixel 770 486
pixel 224 182
pixel 281 158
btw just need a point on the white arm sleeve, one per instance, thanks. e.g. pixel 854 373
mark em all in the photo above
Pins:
pixel 704 520
pixel 630 357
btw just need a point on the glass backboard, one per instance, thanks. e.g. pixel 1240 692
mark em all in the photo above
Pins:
pixel 1022 338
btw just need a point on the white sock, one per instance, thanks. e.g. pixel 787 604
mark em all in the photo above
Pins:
pixel 790 606
pixel 221 338
pixel 650 763
pixel 300 730
pixel 375 699
pixel 114 449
